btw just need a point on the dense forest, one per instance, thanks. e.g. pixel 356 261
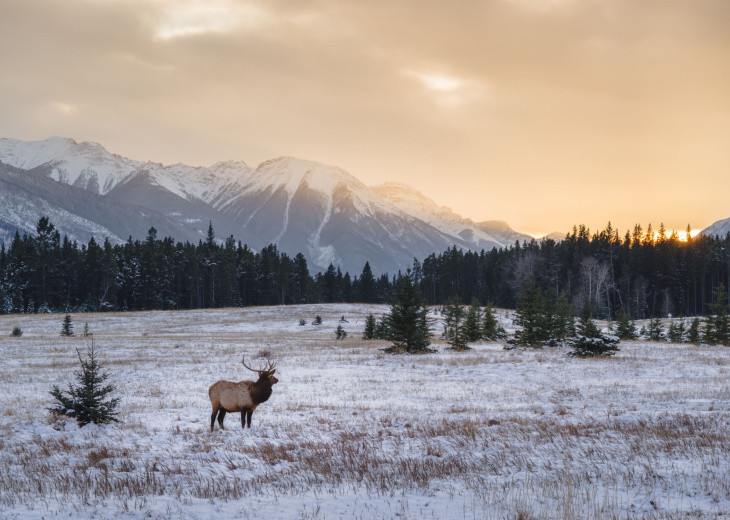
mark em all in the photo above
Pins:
pixel 646 274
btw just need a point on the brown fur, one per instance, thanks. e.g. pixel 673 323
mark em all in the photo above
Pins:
pixel 244 397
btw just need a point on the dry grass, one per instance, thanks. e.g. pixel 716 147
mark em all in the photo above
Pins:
pixel 526 434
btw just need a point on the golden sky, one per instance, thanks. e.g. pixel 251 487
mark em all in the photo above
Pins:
pixel 543 113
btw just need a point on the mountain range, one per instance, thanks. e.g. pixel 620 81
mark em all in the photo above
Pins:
pixel 301 206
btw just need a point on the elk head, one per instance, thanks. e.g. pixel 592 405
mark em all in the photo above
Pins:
pixel 265 373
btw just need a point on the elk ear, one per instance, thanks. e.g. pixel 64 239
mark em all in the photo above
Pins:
pixel 272 372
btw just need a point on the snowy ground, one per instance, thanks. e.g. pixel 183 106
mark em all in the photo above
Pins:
pixel 351 432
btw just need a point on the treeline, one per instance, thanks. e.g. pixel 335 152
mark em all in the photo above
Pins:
pixel 644 274
pixel 47 273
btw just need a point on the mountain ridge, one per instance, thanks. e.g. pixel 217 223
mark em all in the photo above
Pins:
pixel 304 206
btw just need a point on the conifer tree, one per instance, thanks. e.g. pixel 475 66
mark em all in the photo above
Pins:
pixel 454 332
pixel 693 333
pixel 530 316
pixel 17 332
pixel 491 329
pixel 370 326
pixel 589 340
pixel 717 326
pixel 407 322
pixel 67 329
pixel 89 401
pixel 472 322
pixel 340 333
pixel 655 330
pixel 676 332
pixel 625 326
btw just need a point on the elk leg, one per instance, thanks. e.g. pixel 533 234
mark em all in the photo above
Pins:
pixel 221 416
pixel 243 418
pixel 212 418
pixel 248 417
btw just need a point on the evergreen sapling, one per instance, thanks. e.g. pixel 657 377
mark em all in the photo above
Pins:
pixel 90 401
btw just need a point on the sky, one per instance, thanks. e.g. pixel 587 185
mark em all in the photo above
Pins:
pixel 542 113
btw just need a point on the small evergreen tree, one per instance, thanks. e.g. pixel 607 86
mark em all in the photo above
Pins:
pixel 67 329
pixel 472 322
pixel 676 332
pixel 340 333
pixel 89 401
pixel 589 340
pixel 453 324
pixel 86 329
pixel 530 316
pixel 302 322
pixel 717 326
pixel 625 326
pixel 655 330
pixel 317 320
pixel 381 330
pixel 370 326
pixel 491 329
pixel 17 332
pixel 693 333
pixel 407 322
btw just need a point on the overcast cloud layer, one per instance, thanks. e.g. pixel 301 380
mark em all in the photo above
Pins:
pixel 542 113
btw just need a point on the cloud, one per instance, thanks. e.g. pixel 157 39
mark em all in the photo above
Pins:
pixel 449 90
pixel 64 108
pixel 193 17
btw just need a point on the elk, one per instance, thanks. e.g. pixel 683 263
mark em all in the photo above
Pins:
pixel 244 396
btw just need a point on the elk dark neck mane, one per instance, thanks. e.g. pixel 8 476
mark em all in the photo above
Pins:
pixel 261 390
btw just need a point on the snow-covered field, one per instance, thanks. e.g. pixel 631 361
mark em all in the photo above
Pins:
pixel 351 432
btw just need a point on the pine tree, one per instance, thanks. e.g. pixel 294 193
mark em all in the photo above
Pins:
pixel 407 322
pixel 625 326
pixel 370 326
pixel 491 329
pixel 89 401
pixel 530 316
pixel 676 332
pixel 340 333
pixel 693 333
pixel 717 326
pixel 472 322
pixel 17 332
pixel 655 330
pixel 453 324
pixel 589 340
pixel 68 328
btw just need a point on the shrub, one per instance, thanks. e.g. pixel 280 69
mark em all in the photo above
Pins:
pixel 302 322
pixel 317 320
pixel 17 332
pixel 340 333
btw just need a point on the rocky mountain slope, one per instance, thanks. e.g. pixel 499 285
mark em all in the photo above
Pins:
pixel 302 206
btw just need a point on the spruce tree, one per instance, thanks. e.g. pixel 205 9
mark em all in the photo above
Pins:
pixel 530 315
pixel 340 333
pixel 67 329
pixel 589 340
pixel 625 326
pixel 655 330
pixel 693 333
pixel 89 401
pixel 491 329
pixel 472 322
pixel 717 326
pixel 454 332
pixel 17 332
pixel 676 332
pixel 370 326
pixel 407 322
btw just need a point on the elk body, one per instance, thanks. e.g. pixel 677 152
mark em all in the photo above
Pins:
pixel 244 396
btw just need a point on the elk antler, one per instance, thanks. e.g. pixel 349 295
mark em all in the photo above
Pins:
pixel 270 366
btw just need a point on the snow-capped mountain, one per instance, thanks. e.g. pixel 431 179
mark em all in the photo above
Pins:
pixel 302 206
pixel 483 235
pixel 719 228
